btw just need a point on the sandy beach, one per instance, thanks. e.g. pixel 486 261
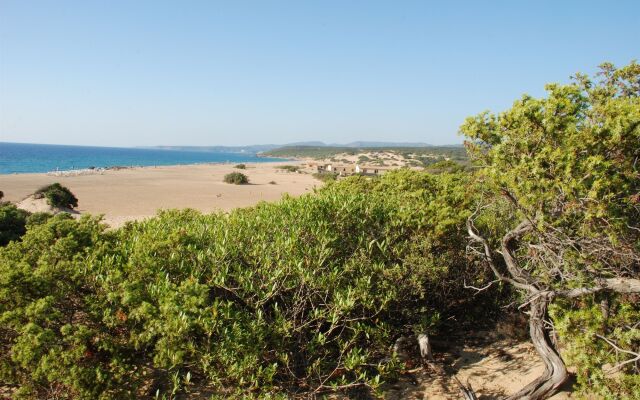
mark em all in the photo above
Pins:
pixel 138 193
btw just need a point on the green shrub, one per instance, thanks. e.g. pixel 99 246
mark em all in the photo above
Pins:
pixel 442 166
pixel 57 196
pixel 326 176
pixel 578 328
pixel 12 223
pixel 240 166
pixel 54 338
pixel 306 294
pixel 39 218
pixel 290 168
pixel 236 178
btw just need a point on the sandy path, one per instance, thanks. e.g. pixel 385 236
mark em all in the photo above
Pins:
pixel 139 192
pixel 494 368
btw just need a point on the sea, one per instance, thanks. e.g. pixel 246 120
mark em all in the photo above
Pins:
pixel 19 158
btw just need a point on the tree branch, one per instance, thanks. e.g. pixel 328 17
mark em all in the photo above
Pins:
pixel 516 272
pixel 477 289
pixel 489 258
pixel 618 285
pixel 617 348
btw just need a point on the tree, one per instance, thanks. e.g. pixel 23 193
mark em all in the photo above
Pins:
pixel 566 170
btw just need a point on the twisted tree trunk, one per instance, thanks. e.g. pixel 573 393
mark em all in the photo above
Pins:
pixel 555 373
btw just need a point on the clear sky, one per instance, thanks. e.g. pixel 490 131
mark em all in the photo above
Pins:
pixel 129 73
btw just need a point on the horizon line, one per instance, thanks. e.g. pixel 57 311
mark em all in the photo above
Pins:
pixel 156 146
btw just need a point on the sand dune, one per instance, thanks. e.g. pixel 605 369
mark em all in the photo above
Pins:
pixel 137 193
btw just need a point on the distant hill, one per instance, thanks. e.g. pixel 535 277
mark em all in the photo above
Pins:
pixel 361 144
pixel 253 149
pixel 313 143
pixel 261 148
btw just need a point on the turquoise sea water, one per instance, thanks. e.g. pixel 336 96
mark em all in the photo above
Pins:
pixel 25 158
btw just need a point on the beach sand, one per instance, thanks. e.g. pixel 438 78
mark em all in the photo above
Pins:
pixel 138 193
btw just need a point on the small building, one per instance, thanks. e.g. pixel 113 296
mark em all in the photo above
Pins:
pixel 351 169
pixel 320 168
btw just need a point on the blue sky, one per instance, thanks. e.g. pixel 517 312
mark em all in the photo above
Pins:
pixel 240 72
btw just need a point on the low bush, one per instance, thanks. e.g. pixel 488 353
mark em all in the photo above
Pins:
pixel 326 176
pixel 240 166
pixel 236 178
pixel 290 168
pixel 57 196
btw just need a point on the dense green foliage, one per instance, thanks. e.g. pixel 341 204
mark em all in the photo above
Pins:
pixel 37 219
pixel 445 167
pixel 240 166
pixel 569 163
pixel 326 176
pixel 13 223
pixel 57 196
pixel 236 178
pixel 580 324
pixel 296 296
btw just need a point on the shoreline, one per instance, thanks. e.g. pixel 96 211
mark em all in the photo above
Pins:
pixel 136 193
pixel 128 167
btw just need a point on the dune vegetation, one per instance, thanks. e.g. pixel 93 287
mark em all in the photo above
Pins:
pixel 236 178
pixel 307 296
pixel 57 196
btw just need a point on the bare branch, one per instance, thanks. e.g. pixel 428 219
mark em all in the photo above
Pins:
pixel 489 258
pixel 516 272
pixel 467 391
pixel 536 296
pixel 619 285
pixel 619 366
pixel 477 289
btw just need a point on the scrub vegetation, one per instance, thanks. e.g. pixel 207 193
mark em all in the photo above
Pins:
pixel 236 178
pixel 307 296
pixel 326 176
pixel 289 168
pixel 57 196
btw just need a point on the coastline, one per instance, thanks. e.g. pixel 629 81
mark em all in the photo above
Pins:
pixel 97 170
pixel 42 158
pixel 137 193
